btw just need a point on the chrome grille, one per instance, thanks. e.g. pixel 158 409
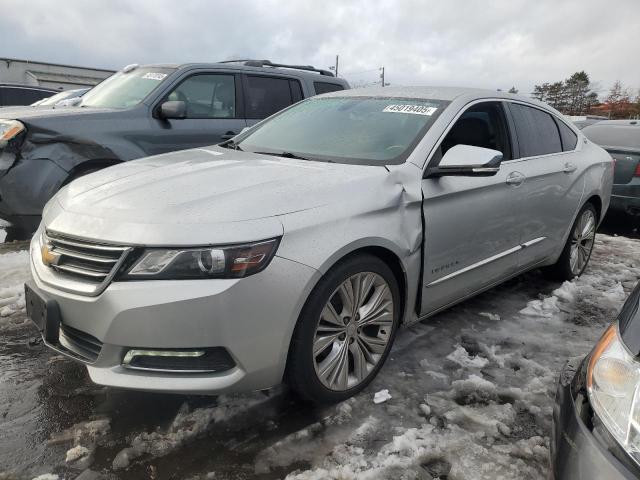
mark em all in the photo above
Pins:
pixel 93 265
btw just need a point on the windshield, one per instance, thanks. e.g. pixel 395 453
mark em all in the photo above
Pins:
pixel 365 130
pixel 126 89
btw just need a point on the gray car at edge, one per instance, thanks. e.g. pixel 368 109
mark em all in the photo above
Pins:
pixel 295 250
pixel 621 138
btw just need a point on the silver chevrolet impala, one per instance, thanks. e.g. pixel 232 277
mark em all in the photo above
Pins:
pixel 295 251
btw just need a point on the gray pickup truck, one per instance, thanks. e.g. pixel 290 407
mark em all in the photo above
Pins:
pixel 139 111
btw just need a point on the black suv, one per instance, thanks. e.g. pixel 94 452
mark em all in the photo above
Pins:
pixel 139 111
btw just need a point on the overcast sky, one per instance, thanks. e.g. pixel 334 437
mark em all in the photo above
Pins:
pixel 493 44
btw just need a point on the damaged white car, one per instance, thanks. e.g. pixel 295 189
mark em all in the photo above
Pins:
pixel 295 250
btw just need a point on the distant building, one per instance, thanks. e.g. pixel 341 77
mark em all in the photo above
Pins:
pixel 51 75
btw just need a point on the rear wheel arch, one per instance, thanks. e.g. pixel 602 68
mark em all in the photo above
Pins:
pixel 596 201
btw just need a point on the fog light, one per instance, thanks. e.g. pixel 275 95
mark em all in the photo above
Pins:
pixel 205 360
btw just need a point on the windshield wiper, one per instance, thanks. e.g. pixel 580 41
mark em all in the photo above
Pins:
pixel 286 155
pixel 230 144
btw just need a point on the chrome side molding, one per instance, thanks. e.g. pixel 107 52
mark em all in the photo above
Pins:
pixel 486 261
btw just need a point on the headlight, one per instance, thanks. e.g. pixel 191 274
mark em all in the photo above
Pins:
pixel 210 262
pixel 9 129
pixel 613 378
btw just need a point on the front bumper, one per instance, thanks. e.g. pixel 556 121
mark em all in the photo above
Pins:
pixel 577 451
pixel 252 318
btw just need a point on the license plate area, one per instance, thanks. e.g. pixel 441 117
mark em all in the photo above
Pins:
pixel 45 313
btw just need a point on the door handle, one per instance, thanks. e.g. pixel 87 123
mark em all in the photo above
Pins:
pixel 569 168
pixel 228 135
pixel 515 179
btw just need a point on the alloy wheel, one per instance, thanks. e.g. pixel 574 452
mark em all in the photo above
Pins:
pixel 353 331
pixel 582 242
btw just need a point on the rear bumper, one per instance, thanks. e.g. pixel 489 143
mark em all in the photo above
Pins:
pixel 576 452
pixel 626 198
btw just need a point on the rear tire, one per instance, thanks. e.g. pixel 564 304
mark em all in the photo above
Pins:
pixel 343 336
pixel 577 251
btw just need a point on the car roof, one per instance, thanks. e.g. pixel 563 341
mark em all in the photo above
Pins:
pixel 239 65
pixel 623 134
pixel 434 93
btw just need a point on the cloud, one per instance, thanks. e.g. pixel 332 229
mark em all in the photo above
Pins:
pixel 475 43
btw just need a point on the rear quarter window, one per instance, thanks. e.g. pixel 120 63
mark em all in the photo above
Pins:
pixel 536 130
pixel 326 87
pixel 568 136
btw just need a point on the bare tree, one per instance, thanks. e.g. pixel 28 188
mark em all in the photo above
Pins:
pixel 619 102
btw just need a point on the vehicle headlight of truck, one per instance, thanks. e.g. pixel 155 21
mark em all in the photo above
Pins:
pixel 613 385
pixel 9 129
pixel 233 261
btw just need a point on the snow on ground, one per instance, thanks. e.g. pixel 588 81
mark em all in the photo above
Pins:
pixel 14 271
pixel 469 395
pixel 483 412
pixel 3 232
pixel 185 428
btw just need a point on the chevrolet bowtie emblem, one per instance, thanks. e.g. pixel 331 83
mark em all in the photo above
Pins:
pixel 49 257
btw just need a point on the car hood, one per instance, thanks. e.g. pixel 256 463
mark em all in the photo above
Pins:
pixel 29 113
pixel 214 194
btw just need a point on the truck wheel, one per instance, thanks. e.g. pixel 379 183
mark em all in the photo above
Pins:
pixel 345 331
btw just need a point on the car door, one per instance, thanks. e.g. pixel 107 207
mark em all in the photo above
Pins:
pixel 266 95
pixel 550 184
pixel 471 233
pixel 213 113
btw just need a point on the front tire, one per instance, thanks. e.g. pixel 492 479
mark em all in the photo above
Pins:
pixel 345 331
pixel 577 251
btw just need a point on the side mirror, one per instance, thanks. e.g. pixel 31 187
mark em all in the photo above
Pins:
pixel 173 109
pixel 467 161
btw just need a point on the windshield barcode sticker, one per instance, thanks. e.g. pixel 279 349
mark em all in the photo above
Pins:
pixel 154 76
pixel 414 109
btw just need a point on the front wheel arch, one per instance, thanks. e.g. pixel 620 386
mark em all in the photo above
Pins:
pixel 297 373
pixel 87 167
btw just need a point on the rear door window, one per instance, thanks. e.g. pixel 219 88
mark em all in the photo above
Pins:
pixel 326 87
pixel 268 95
pixel 207 96
pixel 568 136
pixel 536 130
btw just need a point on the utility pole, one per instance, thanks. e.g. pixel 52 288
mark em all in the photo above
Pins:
pixel 382 75
pixel 335 67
